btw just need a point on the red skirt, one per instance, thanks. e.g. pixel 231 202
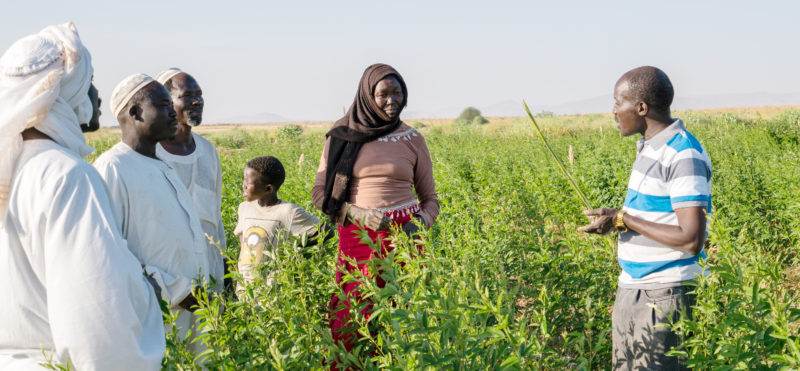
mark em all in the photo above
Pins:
pixel 351 248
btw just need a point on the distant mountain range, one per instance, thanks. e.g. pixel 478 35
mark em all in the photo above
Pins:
pixel 599 104
pixel 603 103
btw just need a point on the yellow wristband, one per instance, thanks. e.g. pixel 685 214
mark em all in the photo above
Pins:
pixel 619 221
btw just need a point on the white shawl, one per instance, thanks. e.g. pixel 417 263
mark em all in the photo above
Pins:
pixel 44 84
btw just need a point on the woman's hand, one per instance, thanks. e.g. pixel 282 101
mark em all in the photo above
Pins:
pixel 411 227
pixel 370 218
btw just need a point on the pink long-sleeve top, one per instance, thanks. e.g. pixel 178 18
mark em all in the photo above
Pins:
pixel 387 173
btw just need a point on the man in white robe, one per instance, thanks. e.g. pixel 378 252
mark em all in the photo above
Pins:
pixel 72 292
pixel 196 161
pixel 152 205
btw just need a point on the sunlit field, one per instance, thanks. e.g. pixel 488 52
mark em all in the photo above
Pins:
pixel 505 281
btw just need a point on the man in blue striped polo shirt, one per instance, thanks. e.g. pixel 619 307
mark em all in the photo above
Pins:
pixel 662 226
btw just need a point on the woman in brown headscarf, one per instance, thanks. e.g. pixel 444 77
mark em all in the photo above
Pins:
pixel 369 166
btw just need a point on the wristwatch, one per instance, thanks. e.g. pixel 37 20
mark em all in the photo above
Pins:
pixel 619 221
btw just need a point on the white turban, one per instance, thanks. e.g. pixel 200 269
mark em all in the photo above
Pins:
pixel 44 84
pixel 165 75
pixel 126 89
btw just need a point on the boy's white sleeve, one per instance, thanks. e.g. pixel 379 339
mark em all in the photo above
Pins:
pixel 301 222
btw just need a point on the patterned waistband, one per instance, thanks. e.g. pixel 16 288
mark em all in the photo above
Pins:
pixel 401 214
pixel 405 206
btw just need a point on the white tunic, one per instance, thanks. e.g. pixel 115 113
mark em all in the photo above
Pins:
pixel 69 285
pixel 201 173
pixel 158 219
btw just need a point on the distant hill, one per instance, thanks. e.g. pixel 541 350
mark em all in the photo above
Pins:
pixel 603 103
pixel 736 100
pixel 599 104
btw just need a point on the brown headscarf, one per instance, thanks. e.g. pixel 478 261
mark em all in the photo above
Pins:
pixel 364 122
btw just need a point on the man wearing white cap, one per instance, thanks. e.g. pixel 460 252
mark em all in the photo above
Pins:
pixel 153 207
pixel 72 291
pixel 195 160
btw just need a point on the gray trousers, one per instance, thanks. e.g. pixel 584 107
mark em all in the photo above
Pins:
pixel 639 335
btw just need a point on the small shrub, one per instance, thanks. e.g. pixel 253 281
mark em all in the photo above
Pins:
pixel 479 120
pixel 235 139
pixel 290 132
pixel 471 116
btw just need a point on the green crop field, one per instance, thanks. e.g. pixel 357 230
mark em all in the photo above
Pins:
pixel 505 281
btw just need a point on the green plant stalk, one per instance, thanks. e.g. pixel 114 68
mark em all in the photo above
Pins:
pixel 561 166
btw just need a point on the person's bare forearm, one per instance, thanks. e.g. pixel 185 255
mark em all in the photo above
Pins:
pixel 688 241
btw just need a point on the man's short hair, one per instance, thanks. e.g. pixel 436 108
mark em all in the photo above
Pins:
pixel 270 169
pixel 650 85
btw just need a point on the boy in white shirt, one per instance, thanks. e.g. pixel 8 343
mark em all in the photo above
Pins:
pixel 264 221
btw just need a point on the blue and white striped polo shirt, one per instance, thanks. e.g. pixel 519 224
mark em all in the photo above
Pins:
pixel 671 171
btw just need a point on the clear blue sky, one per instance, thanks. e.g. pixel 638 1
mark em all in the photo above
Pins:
pixel 303 59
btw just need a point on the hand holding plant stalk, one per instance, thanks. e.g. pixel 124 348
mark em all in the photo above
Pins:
pixel 561 166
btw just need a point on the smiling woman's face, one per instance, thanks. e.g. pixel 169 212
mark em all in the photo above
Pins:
pixel 389 96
